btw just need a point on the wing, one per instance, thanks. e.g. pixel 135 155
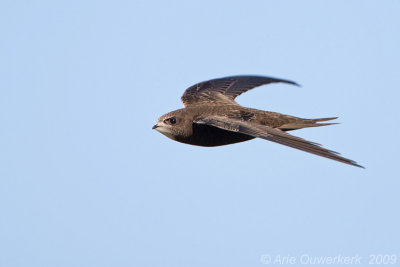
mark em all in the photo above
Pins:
pixel 225 89
pixel 274 135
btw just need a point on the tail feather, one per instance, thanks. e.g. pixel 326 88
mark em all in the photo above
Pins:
pixel 306 123
pixel 323 119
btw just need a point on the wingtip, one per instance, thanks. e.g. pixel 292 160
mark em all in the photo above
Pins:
pixel 296 84
pixel 353 163
pixel 292 83
pixel 359 166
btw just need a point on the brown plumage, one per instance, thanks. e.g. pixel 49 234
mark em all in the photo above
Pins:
pixel 211 117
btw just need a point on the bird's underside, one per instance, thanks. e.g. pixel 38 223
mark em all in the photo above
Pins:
pixel 211 117
pixel 210 136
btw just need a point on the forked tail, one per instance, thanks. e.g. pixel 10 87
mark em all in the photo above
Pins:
pixel 305 123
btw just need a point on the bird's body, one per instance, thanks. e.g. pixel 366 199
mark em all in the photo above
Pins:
pixel 205 135
pixel 211 117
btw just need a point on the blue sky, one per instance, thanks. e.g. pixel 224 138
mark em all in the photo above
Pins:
pixel 86 182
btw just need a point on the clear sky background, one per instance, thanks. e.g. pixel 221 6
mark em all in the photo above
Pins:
pixel 84 181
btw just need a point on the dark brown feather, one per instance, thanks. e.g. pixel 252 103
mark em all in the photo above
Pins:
pixel 274 135
pixel 225 89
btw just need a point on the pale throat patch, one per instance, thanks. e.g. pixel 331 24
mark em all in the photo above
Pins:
pixel 165 131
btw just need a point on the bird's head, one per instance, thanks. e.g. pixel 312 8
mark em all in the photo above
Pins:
pixel 174 125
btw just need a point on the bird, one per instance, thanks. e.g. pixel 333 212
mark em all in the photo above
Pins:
pixel 211 117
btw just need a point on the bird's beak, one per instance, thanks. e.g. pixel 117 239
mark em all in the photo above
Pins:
pixel 155 126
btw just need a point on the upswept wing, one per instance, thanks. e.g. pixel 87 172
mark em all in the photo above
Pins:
pixel 274 135
pixel 225 89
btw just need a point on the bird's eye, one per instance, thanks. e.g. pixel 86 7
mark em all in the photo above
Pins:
pixel 171 120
